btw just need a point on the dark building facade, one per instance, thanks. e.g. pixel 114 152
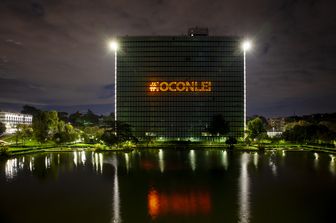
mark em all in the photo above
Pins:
pixel 172 87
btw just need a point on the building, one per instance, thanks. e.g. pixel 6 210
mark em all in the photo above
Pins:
pixel 276 126
pixel 11 120
pixel 172 86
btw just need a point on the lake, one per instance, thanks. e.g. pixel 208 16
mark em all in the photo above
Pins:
pixel 168 186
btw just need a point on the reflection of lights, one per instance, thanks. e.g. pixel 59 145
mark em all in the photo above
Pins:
pixel 316 159
pixel 127 161
pixel 47 161
pixel 332 164
pixel 273 165
pixel 75 158
pixel 192 159
pixel 153 203
pixel 116 198
pixel 11 168
pixel 83 157
pixel 283 153
pixel 194 202
pixel 30 165
pixel 161 161
pixel 255 159
pixel 101 162
pixel 225 160
pixel 21 163
pixel 97 162
pixel 244 200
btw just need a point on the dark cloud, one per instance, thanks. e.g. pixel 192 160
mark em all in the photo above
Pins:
pixel 59 46
pixel 107 92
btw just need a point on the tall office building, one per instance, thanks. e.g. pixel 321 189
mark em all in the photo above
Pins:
pixel 172 86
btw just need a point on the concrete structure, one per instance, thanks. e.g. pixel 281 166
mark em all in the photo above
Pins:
pixel 172 86
pixel 11 120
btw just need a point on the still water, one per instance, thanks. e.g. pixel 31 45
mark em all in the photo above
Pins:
pixel 168 186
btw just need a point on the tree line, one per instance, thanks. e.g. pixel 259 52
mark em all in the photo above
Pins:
pixel 60 128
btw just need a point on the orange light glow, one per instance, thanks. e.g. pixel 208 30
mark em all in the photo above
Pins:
pixel 181 86
pixel 190 203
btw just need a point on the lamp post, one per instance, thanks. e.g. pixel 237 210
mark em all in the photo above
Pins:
pixel 113 46
pixel 246 46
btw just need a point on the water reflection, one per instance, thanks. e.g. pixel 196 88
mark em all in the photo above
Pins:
pixel 272 163
pixel 225 159
pixel 332 165
pixel 116 196
pixel 47 161
pixel 244 187
pixel 192 159
pixel 83 157
pixel 255 159
pixel 11 168
pixel 97 162
pixel 161 160
pixel 316 160
pixel 75 158
pixel 31 164
pixel 127 162
pixel 178 203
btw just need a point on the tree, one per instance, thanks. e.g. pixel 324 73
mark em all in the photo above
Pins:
pixel 90 118
pixel 256 128
pixel 45 125
pixel 63 116
pixel 65 133
pixel 40 127
pixel 218 126
pixel 92 134
pixel 76 119
pixel 117 132
pixel 231 141
pixel 30 110
pixel 23 132
pixel 305 132
pixel 257 131
pixel 2 128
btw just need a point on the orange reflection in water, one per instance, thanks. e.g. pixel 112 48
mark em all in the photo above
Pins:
pixel 188 203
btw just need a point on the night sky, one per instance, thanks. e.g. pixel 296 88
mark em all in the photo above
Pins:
pixel 53 52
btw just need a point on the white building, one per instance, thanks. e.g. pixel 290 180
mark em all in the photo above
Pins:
pixel 11 120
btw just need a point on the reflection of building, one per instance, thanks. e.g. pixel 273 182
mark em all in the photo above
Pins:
pixel 11 120
pixel 178 203
pixel 171 87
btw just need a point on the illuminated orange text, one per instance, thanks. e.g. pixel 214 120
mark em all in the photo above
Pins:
pixel 181 86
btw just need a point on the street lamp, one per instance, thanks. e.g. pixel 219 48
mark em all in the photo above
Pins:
pixel 113 46
pixel 246 46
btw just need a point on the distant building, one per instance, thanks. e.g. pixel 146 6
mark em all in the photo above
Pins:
pixel 11 120
pixel 277 126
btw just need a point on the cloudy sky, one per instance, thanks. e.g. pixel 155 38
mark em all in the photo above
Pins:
pixel 53 52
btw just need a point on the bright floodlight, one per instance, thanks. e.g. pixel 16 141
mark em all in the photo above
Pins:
pixel 113 45
pixel 246 45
